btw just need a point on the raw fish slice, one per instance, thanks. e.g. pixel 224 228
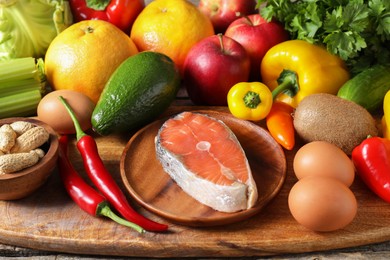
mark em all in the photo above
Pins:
pixel 203 156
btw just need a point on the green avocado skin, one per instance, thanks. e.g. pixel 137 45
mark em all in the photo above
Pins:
pixel 368 88
pixel 138 91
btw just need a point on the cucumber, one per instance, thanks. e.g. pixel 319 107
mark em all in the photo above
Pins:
pixel 368 88
pixel 138 91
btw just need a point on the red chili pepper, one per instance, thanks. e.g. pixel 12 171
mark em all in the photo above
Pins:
pixel 372 161
pixel 121 13
pixel 84 195
pixel 104 181
pixel 280 124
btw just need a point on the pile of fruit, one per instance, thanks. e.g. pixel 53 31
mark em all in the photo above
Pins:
pixel 121 65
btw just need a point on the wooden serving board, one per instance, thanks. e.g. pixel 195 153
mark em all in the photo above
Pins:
pixel 50 220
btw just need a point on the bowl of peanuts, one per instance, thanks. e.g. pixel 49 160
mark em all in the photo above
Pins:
pixel 28 156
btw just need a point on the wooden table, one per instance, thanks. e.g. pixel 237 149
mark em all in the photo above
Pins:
pixel 374 251
pixel 367 237
pixel 50 216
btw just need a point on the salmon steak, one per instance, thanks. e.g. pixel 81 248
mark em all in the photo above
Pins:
pixel 204 157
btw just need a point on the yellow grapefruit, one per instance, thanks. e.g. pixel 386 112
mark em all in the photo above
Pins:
pixel 171 27
pixel 83 57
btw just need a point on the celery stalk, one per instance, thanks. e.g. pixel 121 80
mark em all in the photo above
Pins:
pixel 22 84
pixel 17 68
pixel 15 87
pixel 21 104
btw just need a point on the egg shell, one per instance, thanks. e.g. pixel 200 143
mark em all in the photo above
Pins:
pixel 322 204
pixel 323 159
pixel 51 110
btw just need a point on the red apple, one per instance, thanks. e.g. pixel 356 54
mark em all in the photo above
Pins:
pixel 257 36
pixel 212 67
pixel 224 12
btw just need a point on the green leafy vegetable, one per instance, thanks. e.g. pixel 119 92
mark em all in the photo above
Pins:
pixel 28 27
pixel 356 30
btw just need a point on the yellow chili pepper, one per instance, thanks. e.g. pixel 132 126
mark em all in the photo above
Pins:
pixel 295 69
pixel 386 116
pixel 250 100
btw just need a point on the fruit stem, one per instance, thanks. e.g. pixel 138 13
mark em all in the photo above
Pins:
pixel 214 9
pixel 220 37
pixel 89 29
pixel 248 20
pixel 79 131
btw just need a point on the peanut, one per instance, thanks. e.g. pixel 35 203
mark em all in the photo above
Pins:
pixel 20 127
pixel 10 163
pixel 7 138
pixel 31 139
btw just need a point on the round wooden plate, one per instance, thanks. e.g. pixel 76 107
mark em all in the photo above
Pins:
pixel 153 188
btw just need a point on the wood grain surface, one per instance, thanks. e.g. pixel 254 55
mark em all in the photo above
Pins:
pixel 154 189
pixel 49 220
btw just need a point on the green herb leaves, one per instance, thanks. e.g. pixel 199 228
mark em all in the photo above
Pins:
pixel 343 30
pixel 357 30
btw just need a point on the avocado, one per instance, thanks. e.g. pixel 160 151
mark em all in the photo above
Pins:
pixel 138 91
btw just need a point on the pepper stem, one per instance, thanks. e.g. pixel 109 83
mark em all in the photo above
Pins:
pixel 288 84
pixel 79 131
pixel 252 99
pixel 106 211
pixel 97 5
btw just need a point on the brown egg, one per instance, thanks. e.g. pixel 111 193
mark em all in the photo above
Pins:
pixel 323 159
pixel 51 111
pixel 322 203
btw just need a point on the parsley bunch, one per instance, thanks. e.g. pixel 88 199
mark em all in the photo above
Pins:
pixel 356 30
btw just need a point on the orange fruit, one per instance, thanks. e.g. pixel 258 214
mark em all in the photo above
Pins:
pixel 171 27
pixel 83 56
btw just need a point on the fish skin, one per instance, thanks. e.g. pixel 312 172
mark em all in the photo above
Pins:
pixel 224 198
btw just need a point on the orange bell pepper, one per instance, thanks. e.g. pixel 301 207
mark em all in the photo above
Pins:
pixel 280 124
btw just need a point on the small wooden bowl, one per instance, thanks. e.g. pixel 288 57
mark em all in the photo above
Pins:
pixel 22 183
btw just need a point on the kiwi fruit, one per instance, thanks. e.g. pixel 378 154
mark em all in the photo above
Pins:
pixel 326 117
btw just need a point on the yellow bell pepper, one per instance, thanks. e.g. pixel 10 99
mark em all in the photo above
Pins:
pixel 295 69
pixel 250 100
pixel 386 116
